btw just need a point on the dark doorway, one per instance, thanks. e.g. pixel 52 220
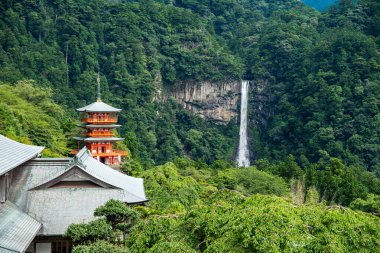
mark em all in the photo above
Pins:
pixel 102 159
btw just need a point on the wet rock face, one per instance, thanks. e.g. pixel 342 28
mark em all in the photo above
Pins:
pixel 216 101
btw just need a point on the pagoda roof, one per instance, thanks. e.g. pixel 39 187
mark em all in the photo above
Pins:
pixel 14 153
pixel 99 126
pixel 98 139
pixel 98 107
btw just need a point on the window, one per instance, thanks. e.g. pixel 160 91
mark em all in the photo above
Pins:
pixel 3 188
pixel 61 247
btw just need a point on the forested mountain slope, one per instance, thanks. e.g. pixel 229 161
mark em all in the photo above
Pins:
pixel 135 47
pixel 320 72
pixel 313 116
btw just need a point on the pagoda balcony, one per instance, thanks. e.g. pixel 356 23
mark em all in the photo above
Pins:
pixel 114 152
pixel 100 134
pixel 99 120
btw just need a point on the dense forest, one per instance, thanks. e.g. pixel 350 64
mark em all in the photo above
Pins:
pixel 315 140
pixel 224 210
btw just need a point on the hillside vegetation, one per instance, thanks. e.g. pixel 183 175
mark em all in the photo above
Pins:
pixel 28 115
pixel 321 71
pixel 135 46
pixel 314 132
pixel 203 213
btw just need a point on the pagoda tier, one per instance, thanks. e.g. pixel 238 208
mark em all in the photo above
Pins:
pixel 99 130
pixel 91 139
pixel 99 126
pixel 103 150
pixel 99 138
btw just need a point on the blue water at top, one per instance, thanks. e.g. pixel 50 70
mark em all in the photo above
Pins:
pixel 320 4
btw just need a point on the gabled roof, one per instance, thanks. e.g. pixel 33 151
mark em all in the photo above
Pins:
pixel 17 229
pixel 99 171
pixel 133 185
pixel 57 208
pixel 14 153
pixel 98 107
pixel 72 173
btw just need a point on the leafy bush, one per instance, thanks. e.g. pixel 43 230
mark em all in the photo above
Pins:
pixel 164 185
pixel 253 181
pixel 175 247
pixel 371 204
pixel 89 232
pixel 117 214
pixel 100 247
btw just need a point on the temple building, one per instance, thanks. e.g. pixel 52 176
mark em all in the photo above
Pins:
pixel 98 120
pixel 41 197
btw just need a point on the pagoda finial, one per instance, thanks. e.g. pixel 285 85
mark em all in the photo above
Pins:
pixel 98 82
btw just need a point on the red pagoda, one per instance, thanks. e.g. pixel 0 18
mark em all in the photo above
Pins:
pixel 99 120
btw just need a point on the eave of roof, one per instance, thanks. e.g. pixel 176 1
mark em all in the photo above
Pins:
pixel 17 229
pixel 92 139
pixel 98 107
pixel 13 153
pixel 99 126
pixel 134 186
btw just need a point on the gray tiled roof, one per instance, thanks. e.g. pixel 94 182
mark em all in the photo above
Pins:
pixel 98 139
pixel 17 229
pixel 99 126
pixel 135 186
pixel 98 107
pixel 6 251
pixel 14 153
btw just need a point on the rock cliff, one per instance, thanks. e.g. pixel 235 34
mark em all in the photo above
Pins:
pixel 214 101
pixel 260 108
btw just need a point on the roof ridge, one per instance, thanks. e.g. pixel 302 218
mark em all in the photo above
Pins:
pixel 99 171
pixel 74 161
pixel 77 161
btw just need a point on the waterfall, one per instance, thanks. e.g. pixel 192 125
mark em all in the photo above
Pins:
pixel 243 152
